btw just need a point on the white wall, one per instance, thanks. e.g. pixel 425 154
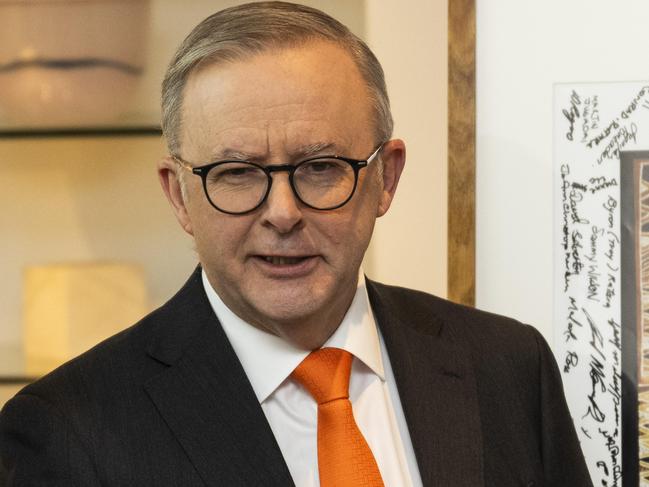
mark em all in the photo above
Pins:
pixel 410 40
pixel 523 47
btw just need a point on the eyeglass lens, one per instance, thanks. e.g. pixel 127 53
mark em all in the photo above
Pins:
pixel 238 187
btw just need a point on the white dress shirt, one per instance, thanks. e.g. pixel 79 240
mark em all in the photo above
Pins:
pixel 291 411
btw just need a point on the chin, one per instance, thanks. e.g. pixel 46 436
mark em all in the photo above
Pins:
pixel 289 306
pixel 288 309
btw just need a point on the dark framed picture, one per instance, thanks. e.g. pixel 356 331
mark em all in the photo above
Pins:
pixel 634 189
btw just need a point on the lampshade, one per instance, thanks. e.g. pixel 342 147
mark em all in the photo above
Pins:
pixel 68 308
pixel 70 62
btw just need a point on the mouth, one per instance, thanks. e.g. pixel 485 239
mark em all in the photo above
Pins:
pixel 283 261
pixel 285 266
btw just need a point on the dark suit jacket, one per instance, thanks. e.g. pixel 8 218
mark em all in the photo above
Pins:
pixel 167 403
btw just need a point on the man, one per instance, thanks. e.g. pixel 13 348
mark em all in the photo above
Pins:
pixel 279 128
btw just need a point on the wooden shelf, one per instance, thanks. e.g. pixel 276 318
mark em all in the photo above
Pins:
pixel 12 366
pixel 77 132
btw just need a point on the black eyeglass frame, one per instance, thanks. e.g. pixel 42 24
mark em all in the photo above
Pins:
pixel 202 171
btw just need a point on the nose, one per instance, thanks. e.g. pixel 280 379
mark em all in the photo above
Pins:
pixel 281 209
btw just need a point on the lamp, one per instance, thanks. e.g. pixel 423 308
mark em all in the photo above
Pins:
pixel 69 62
pixel 68 308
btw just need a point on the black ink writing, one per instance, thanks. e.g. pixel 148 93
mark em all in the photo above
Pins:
pixel 632 107
pixel 565 185
pixel 610 290
pixel 614 125
pixel 623 136
pixel 572 114
pixel 596 338
pixel 609 206
pixel 597 378
pixel 572 360
pixel 575 254
pixel 615 385
pixel 595 233
pixel 616 341
pixel 590 117
pixel 614 452
pixel 593 282
pixel 572 320
pixel 613 242
pixel 601 183
pixel 576 196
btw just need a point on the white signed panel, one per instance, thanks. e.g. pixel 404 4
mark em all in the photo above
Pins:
pixel 592 123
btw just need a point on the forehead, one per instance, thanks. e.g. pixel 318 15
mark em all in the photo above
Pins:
pixel 276 101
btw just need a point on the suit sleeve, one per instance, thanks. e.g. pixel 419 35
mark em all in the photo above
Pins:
pixel 563 461
pixel 38 447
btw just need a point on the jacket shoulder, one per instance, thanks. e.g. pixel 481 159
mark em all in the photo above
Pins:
pixel 123 360
pixel 120 359
pixel 432 314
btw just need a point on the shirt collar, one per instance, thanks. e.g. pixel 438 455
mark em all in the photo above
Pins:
pixel 256 349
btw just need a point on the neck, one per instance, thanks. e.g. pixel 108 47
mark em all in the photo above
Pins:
pixel 308 334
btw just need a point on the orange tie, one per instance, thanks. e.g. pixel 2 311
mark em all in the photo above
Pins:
pixel 344 458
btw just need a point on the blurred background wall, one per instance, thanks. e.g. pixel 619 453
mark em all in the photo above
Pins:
pixel 69 199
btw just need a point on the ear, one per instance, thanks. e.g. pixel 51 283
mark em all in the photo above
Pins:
pixel 393 156
pixel 168 175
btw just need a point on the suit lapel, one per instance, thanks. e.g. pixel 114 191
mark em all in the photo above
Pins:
pixel 206 399
pixel 437 389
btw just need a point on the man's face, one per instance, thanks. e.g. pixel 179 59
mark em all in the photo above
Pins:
pixel 285 268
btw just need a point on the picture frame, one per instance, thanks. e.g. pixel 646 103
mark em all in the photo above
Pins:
pixel 461 152
pixel 634 190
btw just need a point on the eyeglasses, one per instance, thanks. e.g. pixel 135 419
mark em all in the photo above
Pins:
pixel 238 187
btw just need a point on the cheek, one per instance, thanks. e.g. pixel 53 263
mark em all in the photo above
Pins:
pixel 348 234
pixel 364 218
pixel 367 204
pixel 218 238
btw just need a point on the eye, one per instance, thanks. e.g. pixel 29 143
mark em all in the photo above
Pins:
pixel 322 166
pixel 235 173
pixel 238 171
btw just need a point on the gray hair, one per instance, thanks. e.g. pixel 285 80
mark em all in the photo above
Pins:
pixel 252 28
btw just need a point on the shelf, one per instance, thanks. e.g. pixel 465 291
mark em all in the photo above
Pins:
pixel 9 380
pixel 12 366
pixel 79 132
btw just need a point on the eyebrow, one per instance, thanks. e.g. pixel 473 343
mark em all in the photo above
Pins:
pixel 318 147
pixel 227 154
pixel 300 153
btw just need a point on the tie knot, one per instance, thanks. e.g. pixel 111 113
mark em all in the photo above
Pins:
pixel 325 374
